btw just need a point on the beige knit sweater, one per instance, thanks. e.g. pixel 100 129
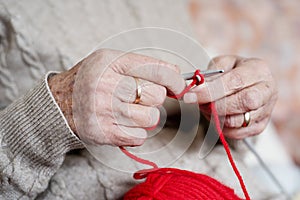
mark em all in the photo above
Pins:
pixel 41 36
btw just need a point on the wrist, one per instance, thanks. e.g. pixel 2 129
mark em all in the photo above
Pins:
pixel 61 87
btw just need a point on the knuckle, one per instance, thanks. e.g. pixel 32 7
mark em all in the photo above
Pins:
pixel 219 59
pixel 230 121
pixel 269 90
pixel 230 133
pixel 101 53
pixel 223 106
pixel 98 52
pixel 112 138
pixel 173 67
pixel 260 62
pixel 122 111
pixel 261 127
pixel 120 67
pixel 119 138
pixel 251 100
pixel 156 74
pixel 254 132
pixel 160 95
pixel 138 142
pixel 153 117
pixel 147 117
pixel 140 138
pixel 91 58
pixel 241 136
pixel 137 139
pixel 263 67
pixel 154 94
pixel 223 60
pixel 258 127
pixel 176 68
pixel 274 95
pixel 237 136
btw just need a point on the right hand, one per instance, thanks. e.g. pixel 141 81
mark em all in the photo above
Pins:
pixel 246 86
pixel 97 95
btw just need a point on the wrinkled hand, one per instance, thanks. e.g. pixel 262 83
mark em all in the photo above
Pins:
pixel 246 86
pixel 97 95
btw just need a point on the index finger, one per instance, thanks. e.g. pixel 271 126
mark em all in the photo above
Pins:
pixel 151 69
pixel 229 83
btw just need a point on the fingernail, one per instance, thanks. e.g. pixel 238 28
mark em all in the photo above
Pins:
pixel 190 98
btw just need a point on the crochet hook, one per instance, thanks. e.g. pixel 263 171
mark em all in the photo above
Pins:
pixel 206 73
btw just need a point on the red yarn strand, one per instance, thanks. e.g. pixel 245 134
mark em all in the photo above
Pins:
pixel 198 79
pixel 208 186
pixel 140 160
pixel 227 149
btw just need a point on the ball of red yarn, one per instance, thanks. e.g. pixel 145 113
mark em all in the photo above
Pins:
pixel 175 184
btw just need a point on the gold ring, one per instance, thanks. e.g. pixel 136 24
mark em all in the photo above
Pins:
pixel 247 119
pixel 138 91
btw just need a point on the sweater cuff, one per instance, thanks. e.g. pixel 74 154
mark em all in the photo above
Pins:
pixel 35 128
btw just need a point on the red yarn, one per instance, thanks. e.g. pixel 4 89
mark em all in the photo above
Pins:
pixel 174 184
pixel 197 80
pixel 227 149
pixel 140 160
pixel 171 184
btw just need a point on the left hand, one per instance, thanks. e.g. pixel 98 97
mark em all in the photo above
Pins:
pixel 246 86
pixel 97 96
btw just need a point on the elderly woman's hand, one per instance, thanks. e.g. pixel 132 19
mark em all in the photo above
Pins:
pixel 98 96
pixel 246 86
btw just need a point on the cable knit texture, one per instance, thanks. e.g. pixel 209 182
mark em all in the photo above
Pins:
pixel 35 137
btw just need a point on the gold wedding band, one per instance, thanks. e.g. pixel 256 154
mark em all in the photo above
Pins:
pixel 247 119
pixel 138 91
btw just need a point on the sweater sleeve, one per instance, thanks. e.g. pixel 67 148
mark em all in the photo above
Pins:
pixel 34 138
